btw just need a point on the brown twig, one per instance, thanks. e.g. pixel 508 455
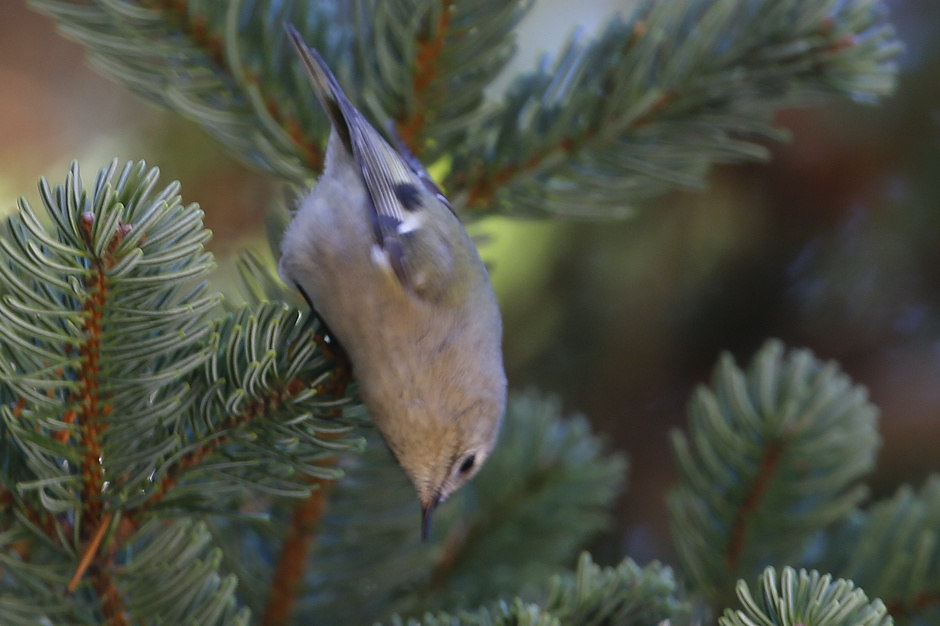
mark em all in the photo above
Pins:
pixel 305 520
pixel 426 70
pixel 112 603
pixel 752 498
pixel 89 416
pixel 90 410
pixel 295 550
pixel 196 27
pixel 90 552
pixel 190 460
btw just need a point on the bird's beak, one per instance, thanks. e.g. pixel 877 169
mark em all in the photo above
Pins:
pixel 427 510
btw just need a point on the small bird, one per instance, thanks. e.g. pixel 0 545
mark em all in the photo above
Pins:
pixel 383 260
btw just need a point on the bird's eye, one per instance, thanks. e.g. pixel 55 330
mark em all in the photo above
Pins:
pixel 467 464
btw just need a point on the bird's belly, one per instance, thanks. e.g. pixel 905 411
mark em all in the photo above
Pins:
pixel 365 306
pixel 398 343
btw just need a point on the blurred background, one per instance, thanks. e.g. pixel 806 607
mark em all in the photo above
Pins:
pixel 834 245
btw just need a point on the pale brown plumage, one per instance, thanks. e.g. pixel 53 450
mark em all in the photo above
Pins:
pixel 380 255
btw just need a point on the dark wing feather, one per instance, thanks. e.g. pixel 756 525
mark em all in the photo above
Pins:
pixel 388 177
pixel 416 166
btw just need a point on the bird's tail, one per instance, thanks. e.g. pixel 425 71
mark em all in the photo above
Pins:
pixel 329 93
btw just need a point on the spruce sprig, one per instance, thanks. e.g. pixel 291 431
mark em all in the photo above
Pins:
pixel 645 106
pixel 131 398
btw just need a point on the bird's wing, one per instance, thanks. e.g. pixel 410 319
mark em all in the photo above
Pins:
pixel 398 193
pixel 416 166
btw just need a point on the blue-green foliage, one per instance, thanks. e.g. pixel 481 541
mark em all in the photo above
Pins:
pixel 130 395
pixel 133 404
pixel 545 490
pixel 645 106
pixel 774 457
pixel 627 595
pixel 891 551
pixel 804 599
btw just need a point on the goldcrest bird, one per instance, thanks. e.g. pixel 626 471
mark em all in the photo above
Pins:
pixel 383 260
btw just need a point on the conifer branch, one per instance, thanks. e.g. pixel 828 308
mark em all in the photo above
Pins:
pixel 804 599
pixel 748 493
pixel 427 59
pixel 205 35
pixel 122 394
pixel 286 583
pixel 891 550
pixel 653 100
pixel 193 58
pixel 65 293
pixel 753 496
pixel 626 595
pixel 425 64
pixel 92 409
pixel 210 443
pixel 112 604
pixel 645 107
pixel 197 28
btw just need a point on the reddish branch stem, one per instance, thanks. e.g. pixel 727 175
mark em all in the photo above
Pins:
pixel 305 520
pixel 292 563
pixel 90 410
pixel 752 498
pixel 427 69
pixel 90 414
pixel 112 603
pixel 196 28
pixel 253 411
pixel 90 552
